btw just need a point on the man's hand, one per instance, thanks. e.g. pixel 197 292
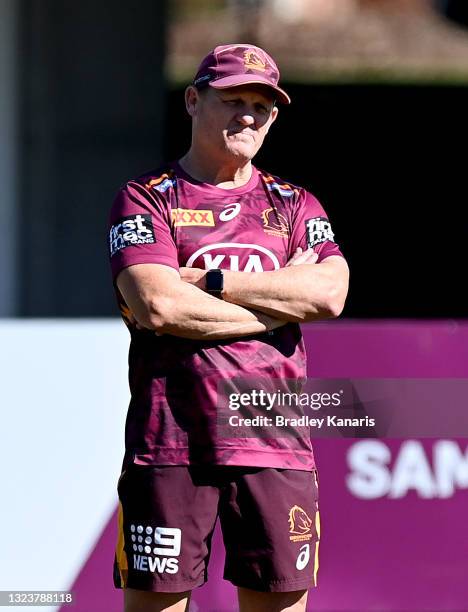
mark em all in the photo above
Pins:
pixel 302 291
pixel 194 276
pixel 302 257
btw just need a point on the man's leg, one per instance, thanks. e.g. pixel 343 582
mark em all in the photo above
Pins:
pixel 255 601
pixel 146 601
pixel 167 516
pixel 271 530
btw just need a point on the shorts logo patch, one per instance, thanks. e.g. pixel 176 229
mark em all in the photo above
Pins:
pixel 130 231
pixel 300 525
pixel 184 217
pixel 275 224
pixel 318 229
pixel 159 558
pixel 304 557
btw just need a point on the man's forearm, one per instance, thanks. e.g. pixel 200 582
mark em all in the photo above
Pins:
pixel 215 320
pixel 160 301
pixel 297 293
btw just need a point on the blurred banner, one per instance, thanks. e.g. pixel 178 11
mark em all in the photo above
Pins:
pixel 339 40
pixel 92 94
pixel 393 511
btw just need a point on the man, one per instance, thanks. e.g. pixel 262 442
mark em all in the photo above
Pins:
pixel 215 263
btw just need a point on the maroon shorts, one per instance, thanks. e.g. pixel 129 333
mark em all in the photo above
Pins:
pixel 269 519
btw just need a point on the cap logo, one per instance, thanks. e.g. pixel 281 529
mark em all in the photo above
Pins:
pixel 254 61
pixel 202 79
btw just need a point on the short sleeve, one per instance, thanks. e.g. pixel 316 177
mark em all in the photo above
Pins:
pixel 311 228
pixel 140 230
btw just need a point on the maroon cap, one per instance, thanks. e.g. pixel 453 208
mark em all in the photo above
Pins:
pixel 236 64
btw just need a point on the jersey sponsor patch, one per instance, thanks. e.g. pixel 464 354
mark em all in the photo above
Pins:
pixel 130 231
pixel 234 256
pixel 318 229
pixel 184 217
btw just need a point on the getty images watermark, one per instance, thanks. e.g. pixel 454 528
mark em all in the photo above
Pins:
pixel 278 401
pixel 399 408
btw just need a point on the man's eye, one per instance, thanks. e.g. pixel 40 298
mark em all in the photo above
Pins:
pixel 231 102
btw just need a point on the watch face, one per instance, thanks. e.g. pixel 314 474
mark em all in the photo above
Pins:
pixel 214 281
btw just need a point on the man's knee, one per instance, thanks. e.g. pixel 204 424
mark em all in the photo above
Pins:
pixel 147 601
pixel 256 601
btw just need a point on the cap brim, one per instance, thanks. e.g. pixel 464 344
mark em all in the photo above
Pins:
pixel 247 79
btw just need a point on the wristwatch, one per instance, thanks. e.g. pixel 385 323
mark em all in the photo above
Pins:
pixel 214 282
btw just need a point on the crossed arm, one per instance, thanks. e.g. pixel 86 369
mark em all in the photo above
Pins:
pixel 174 303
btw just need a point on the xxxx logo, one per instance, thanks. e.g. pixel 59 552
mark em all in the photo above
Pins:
pixel 300 525
pixel 183 217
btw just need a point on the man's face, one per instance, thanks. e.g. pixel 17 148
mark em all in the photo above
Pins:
pixel 231 122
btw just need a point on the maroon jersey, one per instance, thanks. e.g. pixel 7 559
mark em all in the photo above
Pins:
pixel 167 217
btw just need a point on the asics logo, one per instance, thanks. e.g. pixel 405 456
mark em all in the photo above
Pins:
pixel 230 211
pixel 303 558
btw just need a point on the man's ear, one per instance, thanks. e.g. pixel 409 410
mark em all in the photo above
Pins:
pixel 274 113
pixel 191 99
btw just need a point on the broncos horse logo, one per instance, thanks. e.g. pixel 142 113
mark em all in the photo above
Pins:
pixel 300 522
pixel 275 224
pixel 253 60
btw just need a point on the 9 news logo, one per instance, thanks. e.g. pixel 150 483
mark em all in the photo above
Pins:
pixel 161 545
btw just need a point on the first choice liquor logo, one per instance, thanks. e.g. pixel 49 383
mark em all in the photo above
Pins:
pixel 131 230
pixel 318 229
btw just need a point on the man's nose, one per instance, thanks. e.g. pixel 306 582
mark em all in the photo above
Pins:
pixel 246 118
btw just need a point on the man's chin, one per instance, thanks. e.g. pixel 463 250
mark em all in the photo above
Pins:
pixel 240 153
